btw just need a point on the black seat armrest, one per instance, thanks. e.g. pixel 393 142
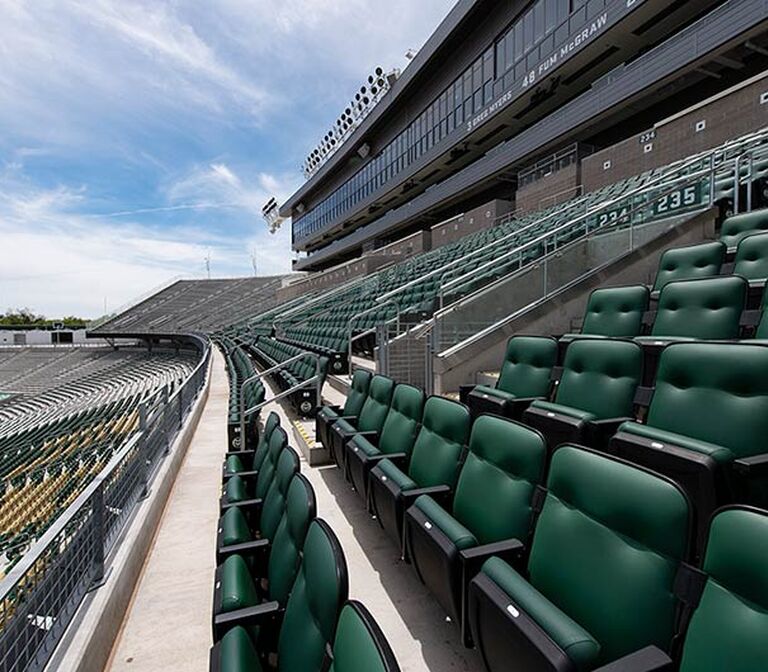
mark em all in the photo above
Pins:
pixel 248 475
pixel 258 615
pixel 240 453
pixel 464 391
pixel 247 505
pixel 602 430
pixel 649 659
pixel 440 493
pixel 752 467
pixel 334 407
pixel 248 548
pixel 509 550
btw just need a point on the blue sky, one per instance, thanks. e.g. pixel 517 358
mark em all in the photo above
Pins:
pixel 136 138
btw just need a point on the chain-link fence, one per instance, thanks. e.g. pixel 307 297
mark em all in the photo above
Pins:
pixel 40 595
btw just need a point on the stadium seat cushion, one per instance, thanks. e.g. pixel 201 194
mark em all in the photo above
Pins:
pixel 717 453
pixel 238 653
pixel 237 587
pixel 459 535
pixel 581 647
pixel 234 527
pixel 392 473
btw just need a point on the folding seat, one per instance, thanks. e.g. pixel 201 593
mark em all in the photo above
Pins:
pixel 737 226
pixel 432 470
pixel 369 422
pixel 264 570
pixel 612 312
pixel 751 263
pixel 360 645
pixel 308 624
pixel 601 577
pixel 706 425
pixel 525 375
pixel 398 434
pixel 242 489
pixel 687 263
pixel 595 395
pixel 704 308
pixel 249 461
pixel 259 517
pixel 729 627
pixel 491 513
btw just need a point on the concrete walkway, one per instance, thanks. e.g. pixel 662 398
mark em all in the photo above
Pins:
pixel 168 624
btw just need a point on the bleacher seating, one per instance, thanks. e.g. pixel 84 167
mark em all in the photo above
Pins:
pixel 281 585
pixel 72 409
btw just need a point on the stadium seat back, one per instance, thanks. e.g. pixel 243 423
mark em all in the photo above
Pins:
pixel 504 464
pixel 273 420
pixel 401 424
pixel 376 405
pixel 360 644
pixel 439 445
pixel 277 443
pixel 703 308
pixel 607 548
pixel 527 366
pixel 616 311
pixel 288 541
pixel 687 263
pixel 274 501
pixel 751 260
pixel 316 599
pixel 713 393
pixel 729 629
pixel 358 392
pixel 600 377
pixel 737 226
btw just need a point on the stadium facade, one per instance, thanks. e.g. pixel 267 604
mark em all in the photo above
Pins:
pixel 506 92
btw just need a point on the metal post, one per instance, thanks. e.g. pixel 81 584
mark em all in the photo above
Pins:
pixel 751 157
pixel 143 450
pixel 736 180
pixel 712 179
pixel 97 518
pixel 166 427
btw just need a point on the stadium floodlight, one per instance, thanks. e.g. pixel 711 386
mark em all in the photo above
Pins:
pixel 376 85
pixel 271 214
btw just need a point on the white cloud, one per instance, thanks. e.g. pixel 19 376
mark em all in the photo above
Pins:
pixel 175 120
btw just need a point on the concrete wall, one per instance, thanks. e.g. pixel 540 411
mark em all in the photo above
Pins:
pixel 559 314
pixel 557 187
pixel 734 113
pixel 472 221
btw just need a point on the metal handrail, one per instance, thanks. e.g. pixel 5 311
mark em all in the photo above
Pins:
pixel 538 241
pixel 352 319
pixel 258 376
pixel 662 180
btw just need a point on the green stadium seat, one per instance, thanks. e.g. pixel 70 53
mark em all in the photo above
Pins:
pixel 706 425
pixel 729 626
pixel 397 436
pixel 360 645
pixel 432 469
pixel 595 395
pixel 249 461
pixel 308 624
pixel 705 308
pixel 356 397
pixel 737 226
pixel 751 261
pixel 491 514
pixel 688 263
pixel 369 422
pixel 613 312
pixel 599 583
pixel 259 517
pixel 525 375
pixel 242 490
pixel 263 570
